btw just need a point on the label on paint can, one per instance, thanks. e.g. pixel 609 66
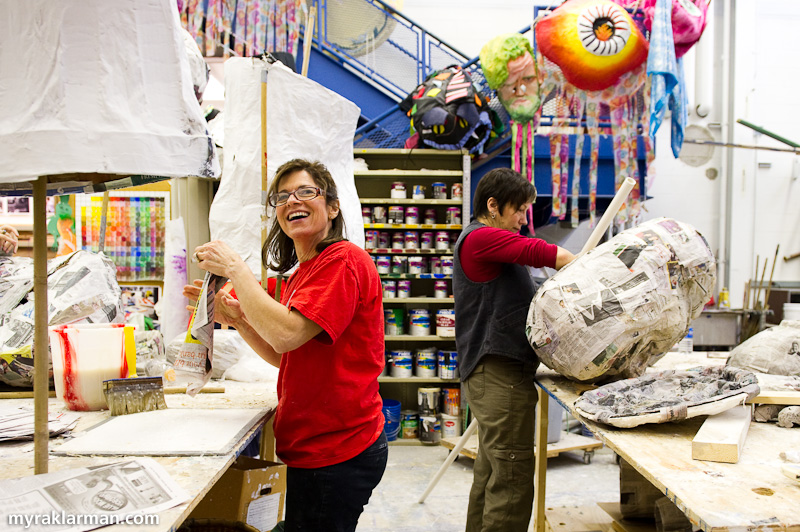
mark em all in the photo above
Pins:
pixel 439 190
pixel 447 265
pixel 448 364
pixel 399 264
pixel 451 426
pixel 412 240
pixel 366 215
pixel 442 240
pixel 439 288
pixel 401 363
pixel 412 215
pixel 398 190
pixel 389 289
pixel 417 265
pixel 403 288
pixel 409 424
pixel 419 321
pixel 393 321
pixel 383 263
pixel 418 191
pixel 446 322
pixel 396 214
pixel 379 214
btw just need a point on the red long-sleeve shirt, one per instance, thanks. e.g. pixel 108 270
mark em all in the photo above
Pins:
pixel 485 250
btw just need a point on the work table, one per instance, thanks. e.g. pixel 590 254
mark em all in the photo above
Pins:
pixel 195 474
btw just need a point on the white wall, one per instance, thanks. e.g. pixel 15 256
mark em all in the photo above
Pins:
pixel 764 207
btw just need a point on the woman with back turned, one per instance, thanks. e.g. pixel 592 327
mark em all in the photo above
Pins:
pixel 493 290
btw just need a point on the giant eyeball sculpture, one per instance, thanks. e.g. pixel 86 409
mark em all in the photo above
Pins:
pixel 593 42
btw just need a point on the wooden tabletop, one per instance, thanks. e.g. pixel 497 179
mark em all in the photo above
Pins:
pixel 752 494
pixel 195 474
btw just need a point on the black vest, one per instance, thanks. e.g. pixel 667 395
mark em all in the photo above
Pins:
pixel 491 316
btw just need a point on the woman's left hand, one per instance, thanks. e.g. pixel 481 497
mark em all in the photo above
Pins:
pixel 218 258
pixel 9 239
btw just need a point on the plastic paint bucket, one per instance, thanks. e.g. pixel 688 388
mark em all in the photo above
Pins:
pixel 389 289
pixel 391 415
pixel 383 263
pixel 791 311
pixel 417 265
pixel 430 429
pixel 448 364
pixel 446 322
pixel 409 424
pixel 451 426
pixel 426 240
pixel 451 398
pixel 404 288
pixel 401 363
pixel 426 362
pixel 442 240
pixel 428 400
pixel 447 265
pixel 412 215
pixel 419 320
pixel 440 289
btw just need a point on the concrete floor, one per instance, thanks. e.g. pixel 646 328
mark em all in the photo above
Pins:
pixel 394 508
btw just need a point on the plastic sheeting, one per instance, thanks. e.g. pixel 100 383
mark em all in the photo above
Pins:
pixel 91 86
pixel 617 309
pixel 304 120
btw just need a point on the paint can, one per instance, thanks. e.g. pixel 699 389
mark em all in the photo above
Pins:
pixel 436 265
pixel 426 240
pixel 399 264
pixel 401 363
pixel 451 400
pixel 404 288
pixel 439 288
pixel 412 215
pixel 430 429
pixel 426 362
pixel 419 320
pixel 417 265
pixel 446 322
pixel 366 215
pixel 398 190
pixel 439 190
pixel 451 426
pixel 430 216
pixel 448 364
pixel 418 191
pixel 370 239
pixel 397 214
pixel 398 241
pixel 457 191
pixel 383 240
pixel 386 359
pixel 442 240
pixel 453 215
pixel 393 321
pixel 412 239
pixel 379 214
pixel 383 263
pixel 389 288
pixel 428 400
pixel 409 425
pixel 447 265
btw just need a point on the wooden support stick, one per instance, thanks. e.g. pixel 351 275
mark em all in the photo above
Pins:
pixel 41 433
pixel 760 284
pixel 308 36
pixel 771 273
pixel 721 437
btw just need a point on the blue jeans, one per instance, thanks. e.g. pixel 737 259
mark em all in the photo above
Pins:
pixel 332 498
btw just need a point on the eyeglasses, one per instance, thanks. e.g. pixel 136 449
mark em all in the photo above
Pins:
pixel 305 193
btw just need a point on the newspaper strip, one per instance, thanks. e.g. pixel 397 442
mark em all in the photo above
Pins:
pixel 18 423
pixel 195 359
pixel 617 309
pixel 82 499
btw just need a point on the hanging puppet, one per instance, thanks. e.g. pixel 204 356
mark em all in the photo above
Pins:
pixel 591 60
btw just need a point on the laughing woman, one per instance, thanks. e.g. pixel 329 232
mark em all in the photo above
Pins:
pixel 326 336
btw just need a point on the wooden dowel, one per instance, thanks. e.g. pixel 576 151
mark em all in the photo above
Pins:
pixel 771 273
pixel 41 434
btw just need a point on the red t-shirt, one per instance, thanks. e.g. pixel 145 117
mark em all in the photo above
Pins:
pixel 484 251
pixel 329 408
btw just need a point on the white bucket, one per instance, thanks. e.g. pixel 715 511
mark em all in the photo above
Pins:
pixel 419 322
pixel 791 311
pixel 451 426
pixel 83 357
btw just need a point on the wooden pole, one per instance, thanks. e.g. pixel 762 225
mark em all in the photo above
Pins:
pixel 41 433
pixel 760 284
pixel 308 36
pixel 103 222
pixel 264 188
pixel 771 273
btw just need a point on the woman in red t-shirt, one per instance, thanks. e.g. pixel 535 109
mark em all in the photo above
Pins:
pixel 326 336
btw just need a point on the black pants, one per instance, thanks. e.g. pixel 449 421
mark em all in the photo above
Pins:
pixel 332 498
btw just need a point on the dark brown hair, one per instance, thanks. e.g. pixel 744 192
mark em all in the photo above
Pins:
pixel 505 185
pixel 278 244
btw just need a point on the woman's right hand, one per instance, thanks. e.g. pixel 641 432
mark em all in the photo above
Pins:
pixel 227 310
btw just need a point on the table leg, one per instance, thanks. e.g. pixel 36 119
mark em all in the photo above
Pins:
pixel 540 478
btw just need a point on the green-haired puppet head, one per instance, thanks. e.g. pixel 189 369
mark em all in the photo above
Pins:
pixel 508 64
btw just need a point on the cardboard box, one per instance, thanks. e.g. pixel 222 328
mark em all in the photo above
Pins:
pixel 252 491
